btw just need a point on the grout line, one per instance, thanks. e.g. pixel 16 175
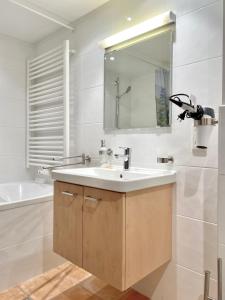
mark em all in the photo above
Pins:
pixel 195 166
pixel 28 241
pixel 195 219
pixel 197 61
pixel 24 292
pixel 91 87
pixel 195 272
pixel 86 124
pixel 198 9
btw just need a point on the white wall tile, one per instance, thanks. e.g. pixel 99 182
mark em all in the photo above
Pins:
pixel 26 260
pixel 13 50
pixel 161 284
pixel 197 193
pixel 88 106
pixel 13 113
pixel 92 135
pixel 13 80
pixel 50 259
pixel 25 223
pixel 12 141
pixel 190 285
pixel 76 140
pixel 92 68
pixel 75 73
pixel 13 56
pixel 26 243
pixel 92 103
pixel 197 245
pixel 221 139
pixel 13 168
pixel 182 7
pixel 198 35
pixel 76 114
pixel 221 209
pixel 203 80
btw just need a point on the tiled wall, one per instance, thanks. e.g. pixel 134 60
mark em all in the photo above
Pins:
pixel 13 55
pixel 221 189
pixel 197 70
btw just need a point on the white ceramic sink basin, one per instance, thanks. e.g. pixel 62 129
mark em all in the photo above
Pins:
pixel 116 179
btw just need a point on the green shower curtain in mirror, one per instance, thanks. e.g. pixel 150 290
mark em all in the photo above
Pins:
pixel 162 87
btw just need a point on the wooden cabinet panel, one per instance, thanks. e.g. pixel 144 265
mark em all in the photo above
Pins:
pixel 119 237
pixel 68 202
pixel 148 231
pixel 104 235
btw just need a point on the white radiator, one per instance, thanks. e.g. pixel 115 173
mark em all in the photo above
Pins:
pixel 48 107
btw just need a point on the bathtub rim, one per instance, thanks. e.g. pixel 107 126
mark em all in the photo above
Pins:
pixel 36 199
pixel 26 202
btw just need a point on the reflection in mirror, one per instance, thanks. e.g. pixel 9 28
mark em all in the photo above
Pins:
pixel 138 83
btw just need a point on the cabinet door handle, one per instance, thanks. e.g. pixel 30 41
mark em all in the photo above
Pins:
pixel 219 279
pixel 69 194
pixel 219 282
pixel 206 286
pixel 92 199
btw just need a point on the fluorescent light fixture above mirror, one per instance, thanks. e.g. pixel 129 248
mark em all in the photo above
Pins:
pixel 147 26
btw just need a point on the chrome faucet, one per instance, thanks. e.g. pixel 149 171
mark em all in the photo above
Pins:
pixel 126 156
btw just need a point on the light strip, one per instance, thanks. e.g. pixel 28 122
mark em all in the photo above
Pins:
pixel 137 30
pixel 39 11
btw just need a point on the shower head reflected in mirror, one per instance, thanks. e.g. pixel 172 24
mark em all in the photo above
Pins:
pixel 126 92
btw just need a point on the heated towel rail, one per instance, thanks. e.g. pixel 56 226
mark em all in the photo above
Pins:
pixel 48 107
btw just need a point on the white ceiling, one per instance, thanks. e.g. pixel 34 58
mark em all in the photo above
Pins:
pixel 17 22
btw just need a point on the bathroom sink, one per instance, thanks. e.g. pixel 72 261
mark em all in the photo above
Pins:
pixel 115 178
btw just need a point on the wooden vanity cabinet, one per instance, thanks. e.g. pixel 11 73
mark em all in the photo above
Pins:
pixel 104 235
pixel 68 222
pixel 118 237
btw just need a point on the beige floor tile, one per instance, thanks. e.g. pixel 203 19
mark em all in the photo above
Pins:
pixel 70 271
pixel 62 269
pixel 42 288
pixel 93 284
pixel 109 293
pixel 32 285
pixel 79 293
pixel 133 295
pixel 100 289
pixel 67 282
pixel 78 275
pixel 12 294
pixel 60 297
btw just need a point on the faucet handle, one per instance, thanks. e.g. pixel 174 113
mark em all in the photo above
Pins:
pixel 127 150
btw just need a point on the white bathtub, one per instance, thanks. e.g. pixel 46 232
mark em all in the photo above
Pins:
pixel 17 194
pixel 26 229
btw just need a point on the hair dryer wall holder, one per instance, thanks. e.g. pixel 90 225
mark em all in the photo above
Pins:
pixel 205 122
pixel 202 131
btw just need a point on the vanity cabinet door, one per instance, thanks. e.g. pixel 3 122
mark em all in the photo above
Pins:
pixel 104 235
pixel 68 202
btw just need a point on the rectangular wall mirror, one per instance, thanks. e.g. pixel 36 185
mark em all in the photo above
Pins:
pixel 138 84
